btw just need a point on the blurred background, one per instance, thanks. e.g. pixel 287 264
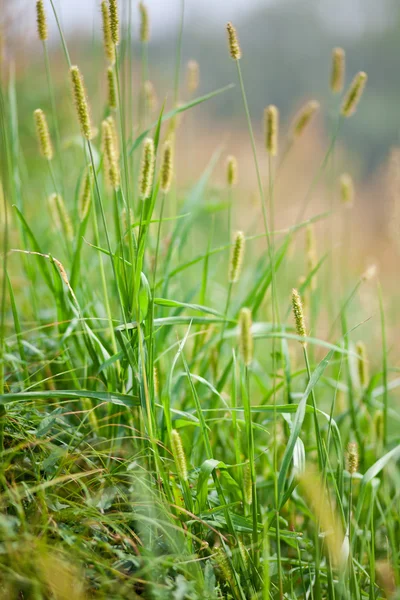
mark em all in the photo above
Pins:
pixel 287 47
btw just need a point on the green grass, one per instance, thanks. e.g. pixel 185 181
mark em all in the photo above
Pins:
pixel 116 339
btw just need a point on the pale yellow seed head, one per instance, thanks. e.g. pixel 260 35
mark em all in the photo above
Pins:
pixel 247 483
pixel 298 314
pixel 113 126
pixel 109 47
pixel 43 135
pixel 41 20
pixel 338 70
pixel 231 171
pixel 114 21
pixel 233 41
pixel 150 96
pixel 179 455
pixel 147 169
pixel 303 118
pixel 237 253
pixel 363 364
pixel 127 219
pixel 193 76
pixel 144 23
pixel 85 194
pixel 347 190
pixel 246 336
pixel 60 217
pixel 111 161
pixel 378 426
pixel 271 122
pixel 370 273
pixel 354 94
pixel 111 89
pixel 167 167
pixel 53 210
pixel 352 458
pixel 81 103
pixel 223 565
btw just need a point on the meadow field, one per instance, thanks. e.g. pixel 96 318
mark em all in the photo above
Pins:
pixel 199 362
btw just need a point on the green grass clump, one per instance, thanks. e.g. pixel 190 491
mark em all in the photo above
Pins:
pixel 163 433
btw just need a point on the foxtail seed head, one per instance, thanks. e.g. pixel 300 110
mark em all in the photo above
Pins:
pixel 247 484
pixel 352 458
pixel 43 134
pixel 369 273
pixel 303 118
pixel 271 118
pixel 41 20
pixel 150 96
pixel 127 219
pixel 232 171
pixel 156 381
pixel 233 41
pixel 85 194
pixel 60 216
pixel 223 565
pixel 338 70
pixel 354 94
pixel 237 253
pixel 110 120
pixel 147 169
pixel 109 47
pixel 53 210
pixel 378 425
pixel 363 370
pixel 347 190
pixel 193 76
pixel 179 455
pixel 167 167
pixel 81 103
pixel 114 21
pixel 112 92
pixel 246 336
pixel 298 314
pixel 144 23
pixel 111 161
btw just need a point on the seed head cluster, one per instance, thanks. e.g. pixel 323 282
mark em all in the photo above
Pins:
pixel 114 21
pixel 271 119
pixel 246 336
pixel 110 155
pixel 233 41
pixel 41 20
pixel 109 47
pixel 237 253
pixel 144 23
pixel 193 76
pixel 85 194
pixel 338 70
pixel 303 117
pixel 179 455
pixel 147 169
pixel 354 94
pixel 298 314
pixel 43 135
pixel 167 166
pixel 231 171
pixel 347 190
pixel 81 103
pixel 352 458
